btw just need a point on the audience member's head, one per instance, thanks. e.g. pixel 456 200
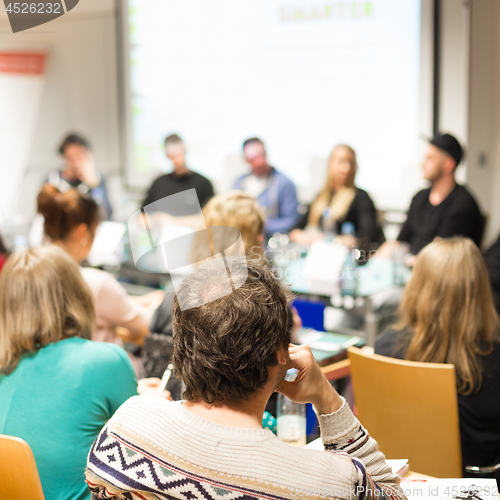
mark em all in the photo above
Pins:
pixel 43 299
pixel 339 189
pixel 77 152
pixel 176 153
pixel 255 155
pixel 443 155
pixel 448 307
pixel 235 209
pixel 228 348
pixel 71 219
pixel 341 167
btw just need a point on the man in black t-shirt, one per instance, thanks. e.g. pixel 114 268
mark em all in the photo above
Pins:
pixel 181 179
pixel 446 209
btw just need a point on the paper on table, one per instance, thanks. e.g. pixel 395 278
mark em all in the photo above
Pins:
pixel 441 489
pixel 398 465
pixel 317 444
pixel 323 341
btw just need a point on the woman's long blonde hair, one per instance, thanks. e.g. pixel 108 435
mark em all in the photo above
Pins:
pixel 234 209
pixel 43 299
pixel 337 198
pixel 448 308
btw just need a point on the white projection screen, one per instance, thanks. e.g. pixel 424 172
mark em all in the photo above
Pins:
pixel 302 75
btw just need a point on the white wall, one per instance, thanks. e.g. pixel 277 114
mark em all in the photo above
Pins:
pixel 470 96
pixel 454 84
pixel 80 91
pixel 484 110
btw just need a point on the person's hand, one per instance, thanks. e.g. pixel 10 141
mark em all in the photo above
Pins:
pixel 386 249
pixel 310 385
pixel 86 170
pixel 410 260
pixel 149 387
pixel 151 300
pixel 347 240
pixel 305 238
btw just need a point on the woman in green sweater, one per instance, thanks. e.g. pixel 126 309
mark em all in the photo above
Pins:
pixel 57 388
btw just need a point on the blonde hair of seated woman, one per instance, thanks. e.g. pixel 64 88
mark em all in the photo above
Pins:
pixel 234 209
pixel 337 194
pixel 448 308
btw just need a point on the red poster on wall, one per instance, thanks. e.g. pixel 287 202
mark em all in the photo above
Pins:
pixel 22 76
pixel 22 63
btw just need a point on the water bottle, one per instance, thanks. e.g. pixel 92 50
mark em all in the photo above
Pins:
pixel 347 229
pixel 328 225
pixel 348 278
pixel 20 244
pixel 291 421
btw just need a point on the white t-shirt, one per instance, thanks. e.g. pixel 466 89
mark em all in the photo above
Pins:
pixel 255 186
pixel 113 306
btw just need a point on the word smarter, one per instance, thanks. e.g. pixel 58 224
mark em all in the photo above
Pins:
pixel 327 11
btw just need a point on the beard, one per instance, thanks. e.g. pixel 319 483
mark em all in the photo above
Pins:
pixel 434 175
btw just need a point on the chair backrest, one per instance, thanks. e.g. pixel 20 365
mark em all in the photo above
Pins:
pixel 410 409
pixel 19 479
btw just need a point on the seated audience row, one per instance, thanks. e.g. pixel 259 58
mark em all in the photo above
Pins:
pixel 447 316
pixel 47 362
pixel 444 210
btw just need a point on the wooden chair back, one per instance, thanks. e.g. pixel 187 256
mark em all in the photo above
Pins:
pixel 411 409
pixel 19 479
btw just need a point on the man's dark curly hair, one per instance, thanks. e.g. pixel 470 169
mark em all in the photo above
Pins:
pixel 223 348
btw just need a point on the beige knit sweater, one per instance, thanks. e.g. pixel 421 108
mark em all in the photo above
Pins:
pixel 155 449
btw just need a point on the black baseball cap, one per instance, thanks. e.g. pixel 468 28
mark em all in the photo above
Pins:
pixel 448 144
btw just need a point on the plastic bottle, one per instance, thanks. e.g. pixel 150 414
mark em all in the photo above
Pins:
pixel 328 226
pixel 348 279
pixel 291 421
pixel 20 244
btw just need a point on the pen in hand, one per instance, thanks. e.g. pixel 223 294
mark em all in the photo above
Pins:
pixel 165 378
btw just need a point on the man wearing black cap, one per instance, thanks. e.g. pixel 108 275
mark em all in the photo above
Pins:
pixel 445 209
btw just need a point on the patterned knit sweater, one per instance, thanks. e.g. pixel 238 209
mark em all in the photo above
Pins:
pixel 156 449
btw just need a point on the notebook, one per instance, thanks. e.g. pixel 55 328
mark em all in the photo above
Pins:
pixel 328 347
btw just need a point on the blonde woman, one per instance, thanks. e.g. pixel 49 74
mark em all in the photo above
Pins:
pixel 340 201
pixel 447 315
pixel 57 388
pixel 238 210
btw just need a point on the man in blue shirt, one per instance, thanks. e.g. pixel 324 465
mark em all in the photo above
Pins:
pixel 274 191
